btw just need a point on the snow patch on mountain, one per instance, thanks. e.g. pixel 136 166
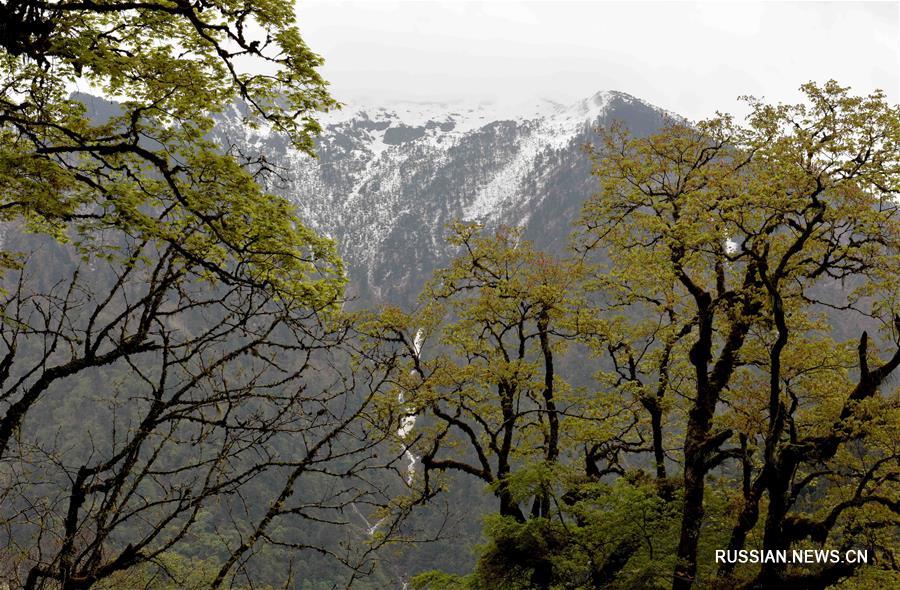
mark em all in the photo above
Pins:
pixel 551 132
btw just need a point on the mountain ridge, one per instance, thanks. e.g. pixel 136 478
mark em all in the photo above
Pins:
pixel 387 181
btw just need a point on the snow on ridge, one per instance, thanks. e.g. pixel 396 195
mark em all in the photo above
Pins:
pixel 544 124
pixel 374 191
pixel 550 132
pixel 587 109
pixel 466 115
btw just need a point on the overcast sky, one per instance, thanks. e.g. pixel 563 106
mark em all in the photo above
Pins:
pixel 689 57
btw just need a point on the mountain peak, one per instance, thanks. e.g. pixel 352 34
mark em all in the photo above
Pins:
pixel 466 115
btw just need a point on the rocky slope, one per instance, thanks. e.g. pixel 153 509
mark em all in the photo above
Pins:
pixel 388 180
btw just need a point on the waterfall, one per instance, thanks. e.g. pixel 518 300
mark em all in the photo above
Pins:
pixel 407 423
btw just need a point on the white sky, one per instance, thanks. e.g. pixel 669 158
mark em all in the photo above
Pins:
pixel 689 57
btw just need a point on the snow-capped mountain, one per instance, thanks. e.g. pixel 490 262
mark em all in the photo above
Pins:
pixel 389 179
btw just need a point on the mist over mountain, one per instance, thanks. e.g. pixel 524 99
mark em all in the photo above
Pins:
pixel 389 179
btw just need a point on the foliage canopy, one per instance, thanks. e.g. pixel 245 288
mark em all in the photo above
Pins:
pixel 737 288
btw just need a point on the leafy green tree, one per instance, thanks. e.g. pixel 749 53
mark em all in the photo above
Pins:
pixel 735 256
pixel 174 371
pixel 494 382
pixel 727 282
pixel 148 170
pixel 490 395
pixel 484 381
